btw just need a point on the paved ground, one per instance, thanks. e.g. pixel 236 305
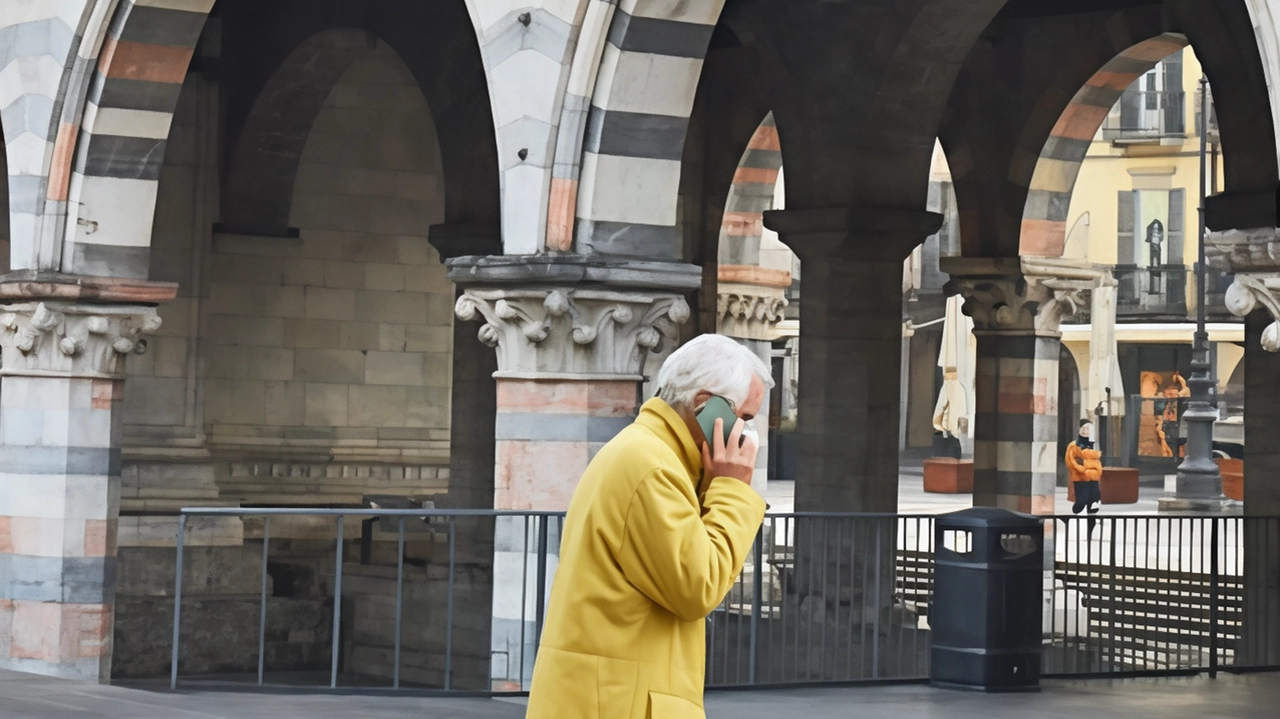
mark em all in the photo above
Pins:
pixel 912 499
pixel 26 697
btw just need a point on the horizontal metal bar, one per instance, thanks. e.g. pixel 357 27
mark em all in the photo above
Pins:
pixel 330 512
pixel 333 512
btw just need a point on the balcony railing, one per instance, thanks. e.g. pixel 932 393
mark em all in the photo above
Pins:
pixel 1161 292
pixel 1147 115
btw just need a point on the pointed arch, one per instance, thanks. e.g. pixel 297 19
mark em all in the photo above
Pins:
pixel 627 202
pixel 1044 219
pixel 120 148
pixel 755 183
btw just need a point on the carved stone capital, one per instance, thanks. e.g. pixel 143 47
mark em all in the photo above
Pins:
pixel 749 312
pixel 1022 295
pixel 1254 291
pixel 563 331
pixel 1021 303
pixel 72 340
pixel 1256 250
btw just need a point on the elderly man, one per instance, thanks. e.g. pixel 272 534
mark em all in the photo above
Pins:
pixel 657 532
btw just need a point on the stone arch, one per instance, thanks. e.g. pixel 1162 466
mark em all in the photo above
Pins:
pixel 993 176
pixel 1044 220
pixel 260 176
pixel 45 55
pixel 1266 24
pixel 627 199
pixel 5 260
pixel 120 145
pixel 752 193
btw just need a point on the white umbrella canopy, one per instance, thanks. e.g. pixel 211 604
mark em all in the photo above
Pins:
pixel 958 356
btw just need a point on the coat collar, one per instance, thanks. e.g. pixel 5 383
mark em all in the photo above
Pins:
pixel 658 417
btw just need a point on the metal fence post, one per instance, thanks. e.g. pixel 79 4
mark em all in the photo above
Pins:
pixel 395 672
pixel 540 603
pixel 337 611
pixel 262 616
pixel 756 591
pixel 177 603
pixel 1213 599
pixel 448 629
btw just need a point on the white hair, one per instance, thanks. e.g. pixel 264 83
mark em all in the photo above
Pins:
pixel 710 363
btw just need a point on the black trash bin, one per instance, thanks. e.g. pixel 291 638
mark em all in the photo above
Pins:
pixel 987 601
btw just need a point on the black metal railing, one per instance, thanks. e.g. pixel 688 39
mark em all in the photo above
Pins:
pixel 1147 115
pixel 824 598
pixel 1161 292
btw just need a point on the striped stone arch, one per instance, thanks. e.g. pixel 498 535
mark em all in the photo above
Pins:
pixel 751 194
pixel 46 51
pixel 635 131
pixel 1266 23
pixel 992 180
pixel 115 170
pixel 1044 220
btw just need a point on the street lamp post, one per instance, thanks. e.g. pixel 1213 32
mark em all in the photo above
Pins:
pixel 1199 486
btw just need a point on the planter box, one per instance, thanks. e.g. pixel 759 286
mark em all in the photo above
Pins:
pixel 1232 478
pixel 1119 485
pixel 944 475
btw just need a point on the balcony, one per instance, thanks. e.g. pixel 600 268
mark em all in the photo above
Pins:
pixel 1160 293
pixel 1147 116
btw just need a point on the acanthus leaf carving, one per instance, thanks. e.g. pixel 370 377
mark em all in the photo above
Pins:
pixel 1032 304
pixel 1254 291
pixel 573 331
pixel 69 339
pixel 750 312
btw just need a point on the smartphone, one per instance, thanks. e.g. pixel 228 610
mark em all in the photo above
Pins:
pixel 717 408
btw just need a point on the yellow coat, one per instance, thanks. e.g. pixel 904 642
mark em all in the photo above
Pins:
pixel 642 564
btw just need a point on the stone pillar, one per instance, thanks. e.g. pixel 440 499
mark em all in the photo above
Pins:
pixel 61 388
pixel 1254 256
pixel 1016 309
pixel 849 401
pixel 749 307
pixel 571 338
pixel 851 336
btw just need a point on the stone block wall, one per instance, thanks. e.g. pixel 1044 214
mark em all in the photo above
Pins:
pixel 292 370
pixel 339 341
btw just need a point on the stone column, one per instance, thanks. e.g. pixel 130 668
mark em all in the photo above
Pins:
pixel 1254 257
pixel 571 338
pixel 847 419
pixel 851 335
pixel 749 307
pixel 61 388
pixel 1016 309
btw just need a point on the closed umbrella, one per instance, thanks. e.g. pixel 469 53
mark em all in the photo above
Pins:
pixel 957 357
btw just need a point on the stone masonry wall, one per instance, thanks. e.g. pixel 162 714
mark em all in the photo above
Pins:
pixel 339 342
pixel 310 370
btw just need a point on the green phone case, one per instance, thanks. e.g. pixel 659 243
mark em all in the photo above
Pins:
pixel 717 408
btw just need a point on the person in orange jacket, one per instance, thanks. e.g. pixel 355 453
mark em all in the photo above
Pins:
pixel 1084 466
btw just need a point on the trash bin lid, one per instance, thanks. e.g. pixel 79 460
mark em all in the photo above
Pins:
pixel 982 517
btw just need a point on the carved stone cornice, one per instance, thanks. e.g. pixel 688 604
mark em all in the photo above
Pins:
pixel 564 331
pixel 1256 250
pixel 1254 291
pixel 749 312
pixel 71 340
pixel 1028 296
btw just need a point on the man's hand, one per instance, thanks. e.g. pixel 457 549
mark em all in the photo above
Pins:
pixel 721 460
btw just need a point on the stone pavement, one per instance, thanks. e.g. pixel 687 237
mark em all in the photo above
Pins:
pixel 29 697
pixel 912 499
